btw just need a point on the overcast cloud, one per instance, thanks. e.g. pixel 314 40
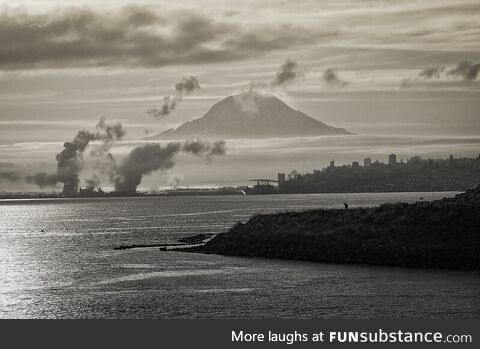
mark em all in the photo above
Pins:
pixel 138 36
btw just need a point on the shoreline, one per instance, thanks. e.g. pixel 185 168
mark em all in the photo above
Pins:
pixel 443 235
pixel 7 200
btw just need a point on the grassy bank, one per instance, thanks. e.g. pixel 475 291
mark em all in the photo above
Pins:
pixel 443 235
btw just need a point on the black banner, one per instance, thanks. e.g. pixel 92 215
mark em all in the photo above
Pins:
pixel 239 333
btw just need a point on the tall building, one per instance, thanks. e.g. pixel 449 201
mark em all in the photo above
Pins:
pixel 355 164
pixel 332 163
pixel 392 159
pixel 281 179
pixel 367 162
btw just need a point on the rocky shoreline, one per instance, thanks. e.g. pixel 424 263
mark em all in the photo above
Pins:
pixel 443 234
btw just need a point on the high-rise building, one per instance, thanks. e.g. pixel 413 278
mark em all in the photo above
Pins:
pixel 392 159
pixel 332 163
pixel 367 162
pixel 355 164
pixel 281 179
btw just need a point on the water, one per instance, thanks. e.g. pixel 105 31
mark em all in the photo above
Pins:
pixel 57 260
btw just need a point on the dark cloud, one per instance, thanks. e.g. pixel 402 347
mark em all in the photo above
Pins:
pixel 187 85
pixel 69 160
pixel 184 87
pixel 288 72
pixel 431 72
pixel 465 70
pixel 139 36
pixel 108 134
pixel 331 77
pixel 169 105
pixel 203 148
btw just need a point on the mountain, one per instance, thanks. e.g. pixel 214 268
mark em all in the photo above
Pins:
pixel 251 115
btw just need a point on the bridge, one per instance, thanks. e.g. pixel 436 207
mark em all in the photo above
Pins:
pixel 263 181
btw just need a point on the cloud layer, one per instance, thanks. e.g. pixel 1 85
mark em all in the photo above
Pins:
pixel 463 70
pixel 139 36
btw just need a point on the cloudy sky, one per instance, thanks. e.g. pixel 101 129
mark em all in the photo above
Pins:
pixel 405 76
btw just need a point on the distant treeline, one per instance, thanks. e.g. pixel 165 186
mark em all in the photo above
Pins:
pixel 416 174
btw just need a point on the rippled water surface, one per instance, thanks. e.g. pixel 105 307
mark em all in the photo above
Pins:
pixel 57 260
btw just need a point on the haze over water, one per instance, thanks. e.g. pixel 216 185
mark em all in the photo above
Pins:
pixel 57 260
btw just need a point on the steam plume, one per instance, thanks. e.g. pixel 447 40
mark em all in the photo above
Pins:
pixel 183 88
pixel 206 149
pixel 288 72
pixel 174 181
pixel 465 70
pixel 92 182
pixel 331 77
pixel 69 160
pixel 431 72
pixel 168 106
pixel 187 85
pixel 152 157
pixel 108 134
